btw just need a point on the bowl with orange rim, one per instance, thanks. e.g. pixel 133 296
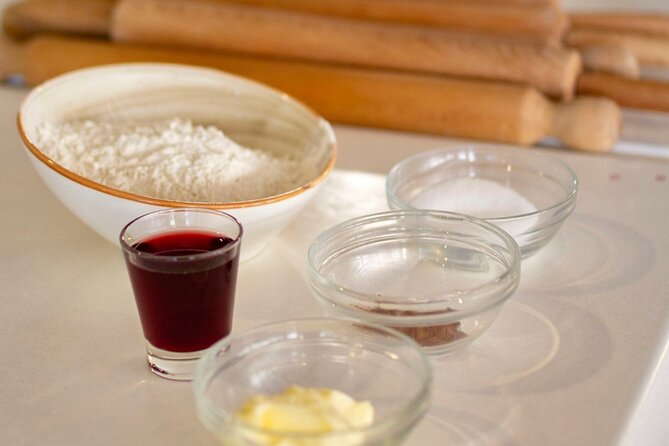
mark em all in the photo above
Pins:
pixel 247 112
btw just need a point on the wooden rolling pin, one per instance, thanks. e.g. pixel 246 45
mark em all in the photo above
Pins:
pixel 639 93
pixel 90 17
pixel 505 2
pixel 425 103
pixel 649 49
pixel 274 32
pixel 623 21
pixel 555 3
pixel 542 22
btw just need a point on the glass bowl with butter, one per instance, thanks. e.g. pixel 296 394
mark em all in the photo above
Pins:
pixel 439 277
pixel 313 382
pixel 526 193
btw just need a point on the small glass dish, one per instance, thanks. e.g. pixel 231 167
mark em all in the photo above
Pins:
pixel 526 193
pixel 439 277
pixel 368 363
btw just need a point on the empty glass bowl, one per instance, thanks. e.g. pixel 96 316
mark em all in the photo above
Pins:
pixel 369 363
pixel 439 277
pixel 526 193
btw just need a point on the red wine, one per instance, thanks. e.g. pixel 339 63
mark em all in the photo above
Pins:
pixel 185 302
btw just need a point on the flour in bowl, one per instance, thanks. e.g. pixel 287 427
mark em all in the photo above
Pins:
pixel 171 159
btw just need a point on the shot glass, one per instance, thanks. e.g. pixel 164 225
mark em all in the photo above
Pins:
pixel 183 266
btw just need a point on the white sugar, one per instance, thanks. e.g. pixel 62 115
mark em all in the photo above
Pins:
pixel 171 159
pixel 474 196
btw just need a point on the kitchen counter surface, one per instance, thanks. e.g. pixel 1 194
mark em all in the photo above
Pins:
pixel 577 356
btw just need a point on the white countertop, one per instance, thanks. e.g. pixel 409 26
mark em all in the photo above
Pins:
pixel 577 355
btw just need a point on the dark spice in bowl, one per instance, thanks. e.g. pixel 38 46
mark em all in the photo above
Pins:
pixel 426 335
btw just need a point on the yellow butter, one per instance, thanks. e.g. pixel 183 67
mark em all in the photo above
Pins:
pixel 306 410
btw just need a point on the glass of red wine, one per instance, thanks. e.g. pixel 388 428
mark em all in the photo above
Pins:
pixel 183 270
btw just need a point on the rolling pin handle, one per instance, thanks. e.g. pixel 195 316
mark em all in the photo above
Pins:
pixel 588 123
pixel 614 59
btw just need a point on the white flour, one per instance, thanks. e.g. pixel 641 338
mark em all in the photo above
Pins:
pixel 474 196
pixel 171 159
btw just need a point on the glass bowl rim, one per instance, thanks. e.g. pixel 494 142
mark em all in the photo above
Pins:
pixel 571 188
pixel 483 291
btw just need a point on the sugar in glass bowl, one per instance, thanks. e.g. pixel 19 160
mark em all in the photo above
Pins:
pixel 249 113
pixel 439 277
pixel 528 194
pixel 366 362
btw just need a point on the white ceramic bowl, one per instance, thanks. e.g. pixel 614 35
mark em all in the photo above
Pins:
pixel 247 112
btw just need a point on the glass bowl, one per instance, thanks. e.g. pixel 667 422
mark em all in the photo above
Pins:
pixel 526 193
pixel 439 277
pixel 369 363
pixel 249 113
